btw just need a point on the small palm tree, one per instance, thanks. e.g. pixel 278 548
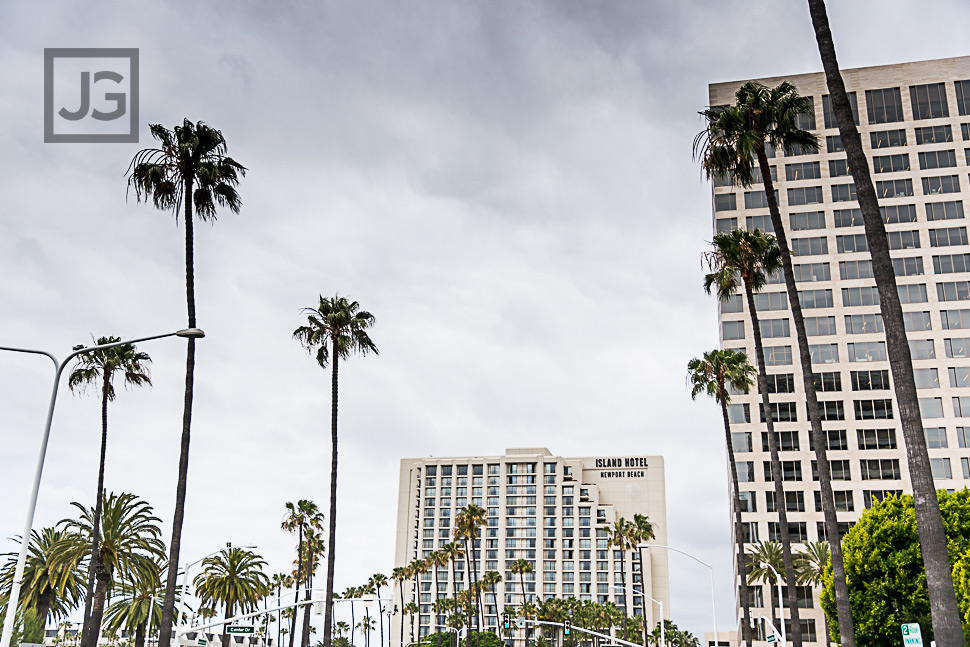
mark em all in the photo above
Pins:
pixel 377 580
pixel 235 579
pixel 468 521
pixel 51 590
pixel 716 374
pixel 335 329
pixel 399 574
pixel 129 547
pixel 189 173
pixel 764 554
pixel 411 609
pixel 135 609
pixel 810 565
pixel 98 368
pixel 491 580
pixel 520 567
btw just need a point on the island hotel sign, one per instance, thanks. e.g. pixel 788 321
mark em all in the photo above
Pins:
pixel 631 467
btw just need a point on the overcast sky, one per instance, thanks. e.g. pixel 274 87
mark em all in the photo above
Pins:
pixel 507 186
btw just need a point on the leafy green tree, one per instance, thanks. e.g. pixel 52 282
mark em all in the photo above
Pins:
pixel 335 329
pixel 482 639
pixel 676 637
pixel 745 259
pixel 946 618
pixel 235 579
pixel 129 547
pixel 765 556
pixel 716 374
pixel 884 567
pixel 98 368
pixel 734 144
pixel 51 590
pixel 190 173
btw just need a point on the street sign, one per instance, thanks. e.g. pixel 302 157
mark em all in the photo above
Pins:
pixel 912 637
pixel 240 629
pixel 771 638
pixel 203 642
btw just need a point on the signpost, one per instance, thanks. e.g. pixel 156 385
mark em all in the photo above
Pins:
pixel 911 635
pixel 240 629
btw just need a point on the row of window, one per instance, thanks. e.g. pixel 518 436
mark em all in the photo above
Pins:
pixel 807 195
pixel 856 324
pixel 838 439
pixel 878 409
pixel 810 220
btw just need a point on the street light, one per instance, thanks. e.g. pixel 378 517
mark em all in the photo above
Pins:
pixel 699 561
pixel 781 603
pixel 774 629
pixel 13 600
pixel 663 634
pixel 185 577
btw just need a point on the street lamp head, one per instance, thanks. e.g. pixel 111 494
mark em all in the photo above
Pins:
pixel 191 333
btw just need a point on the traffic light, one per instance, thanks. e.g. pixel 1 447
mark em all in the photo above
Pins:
pixel 567 626
pixel 506 621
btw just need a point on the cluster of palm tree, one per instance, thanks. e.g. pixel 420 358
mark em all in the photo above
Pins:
pixel 734 145
pixel 370 591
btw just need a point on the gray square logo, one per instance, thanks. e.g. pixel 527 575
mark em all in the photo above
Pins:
pixel 90 95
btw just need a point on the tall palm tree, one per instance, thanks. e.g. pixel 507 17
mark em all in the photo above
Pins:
pixel 191 173
pixel 520 567
pixel 620 536
pixel 490 580
pixel 234 578
pixel 312 549
pixel 399 575
pixel 129 548
pixel 349 594
pixel 734 140
pixel 467 524
pixel 747 258
pixel 810 565
pixel 764 554
pixel 280 581
pixel 336 329
pixel 300 516
pixel 98 368
pixel 436 561
pixel 377 580
pixel 366 625
pixel 716 374
pixel 51 590
pixel 947 627
pixel 453 552
pixel 411 608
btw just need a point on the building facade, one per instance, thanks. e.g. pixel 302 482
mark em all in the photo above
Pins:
pixel 549 510
pixel 914 119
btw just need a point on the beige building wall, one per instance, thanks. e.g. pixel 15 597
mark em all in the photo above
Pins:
pixel 552 511
pixel 922 176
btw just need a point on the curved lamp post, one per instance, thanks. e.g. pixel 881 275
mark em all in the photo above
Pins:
pixel 8 621
pixel 699 561
pixel 663 635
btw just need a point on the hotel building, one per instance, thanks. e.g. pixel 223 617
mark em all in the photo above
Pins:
pixel 552 511
pixel 915 124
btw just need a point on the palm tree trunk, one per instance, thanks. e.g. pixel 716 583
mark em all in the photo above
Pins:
pixel 776 472
pixel 168 606
pixel 947 627
pixel 140 634
pixel 468 570
pixel 86 640
pixel 742 558
pixel 296 585
pixel 305 636
pixel 226 638
pixel 331 553
pixel 819 438
pixel 97 605
pixel 352 623
pixel 525 606
pixel 43 610
pixel 497 614
pixel 380 613
pixel 400 584
pixel 437 602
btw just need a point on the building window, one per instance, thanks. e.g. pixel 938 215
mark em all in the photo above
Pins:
pixel 948 237
pixel 876 438
pixel 931 407
pixel 797 531
pixel 944 210
pixel 953 291
pixel 897 213
pixel 861 296
pixel 824 353
pixel 927 378
pixel 848 217
pixel 894 188
pixel 957 347
pixel 805 195
pixel 739 412
pixel 827 382
pixel 941 468
pixel 922 349
pixel 732 304
pixel 767 301
pixel 941 184
pixel 851 243
pixel 774 328
pixel 880 469
pixel 935 437
pixel 887 138
pixel 811 272
pixel 741 441
pixel 961 407
pixel 844 192
pixel 855 270
pixel 873 409
pixel 760 222
pixel 833 143
pixel 832 410
pixel 757 199
pixel 871 497
pixel 903 239
pixel 955 319
pixel 963 97
pixel 937 159
pixel 890 163
pixel 803 171
pixel 818 326
pixel 933 135
pixel 733 330
pixel 884 106
pixel 828 113
pixel 912 293
pixel 808 220
pixel 815 299
pixel 746 502
pixel 863 324
pixel 870 380
pixel 787 440
pixel 725 202
pixel 929 101
pixel 780 412
pixel 839 168
pixel 917 321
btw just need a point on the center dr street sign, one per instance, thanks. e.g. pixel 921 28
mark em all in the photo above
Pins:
pixel 911 635
pixel 240 629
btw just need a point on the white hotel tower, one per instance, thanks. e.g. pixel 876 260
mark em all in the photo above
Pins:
pixel 549 510
pixel 915 124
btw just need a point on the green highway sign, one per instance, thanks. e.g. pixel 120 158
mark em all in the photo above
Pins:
pixel 203 641
pixel 240 629
pixel 771 638
pixel 912 637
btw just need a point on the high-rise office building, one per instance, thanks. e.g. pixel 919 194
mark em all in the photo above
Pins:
pixel 551 511
pixel 915 124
